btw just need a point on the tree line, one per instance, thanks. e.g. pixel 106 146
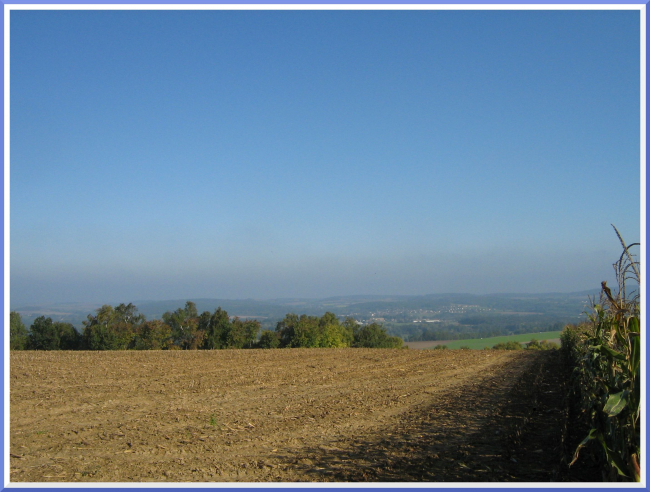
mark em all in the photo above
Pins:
pixel 475 327
pixel 123 328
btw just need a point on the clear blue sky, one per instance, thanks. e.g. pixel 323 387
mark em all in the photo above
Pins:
pixel 170 155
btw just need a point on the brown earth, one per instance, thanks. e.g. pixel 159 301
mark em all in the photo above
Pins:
pixel 426 344
pixel 287 415
pixel 433 343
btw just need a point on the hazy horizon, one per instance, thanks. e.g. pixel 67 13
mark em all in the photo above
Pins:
pixel 183 299
pixel 268 299
pixel 312 154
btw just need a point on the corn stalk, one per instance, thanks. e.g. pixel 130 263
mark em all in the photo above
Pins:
pixel 608 371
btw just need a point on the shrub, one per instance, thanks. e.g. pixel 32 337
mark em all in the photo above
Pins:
pixel 511 345
pixel 543 345
pixel 533 344
pixel 546 345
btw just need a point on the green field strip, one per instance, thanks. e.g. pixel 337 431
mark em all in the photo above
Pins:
pixel 481 343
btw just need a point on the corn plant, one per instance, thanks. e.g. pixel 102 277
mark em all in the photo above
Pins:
pixel 607 360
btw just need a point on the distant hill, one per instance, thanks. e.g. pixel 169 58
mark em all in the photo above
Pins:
pixel 447 308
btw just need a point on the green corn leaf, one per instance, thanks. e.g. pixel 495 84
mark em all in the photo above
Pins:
pixel 634 325
pixel 613 458
pixel 637 400
pixel 593 434
pixel 620 333
pixel 636 354
pixel 612 353
pixel 616 403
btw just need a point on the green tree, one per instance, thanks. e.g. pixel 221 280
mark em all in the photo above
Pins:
pixel 43 335
pixel 311 331
pixel 269 339
pixel 96 334
pixel 216 328
pixel 331 333
pixel 236 336
pixel 190 310
pixel 306 332
pixel 111 328
pixel 374 335
pixel 99 337
pixel 286 329
pixel 204 324
pixel 153 335
pixel 128 313
pixel 18 336
pixel 349 327
pixel 331 336
pixel 252 328
pixel 184 323
pixel 242 333
pixel 69 337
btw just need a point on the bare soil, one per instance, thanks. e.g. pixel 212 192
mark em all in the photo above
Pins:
pixel 433 343
pixel 426 344
pixel 286 415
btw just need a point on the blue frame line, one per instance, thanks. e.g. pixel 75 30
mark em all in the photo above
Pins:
pixel 298 2
pixel 204 2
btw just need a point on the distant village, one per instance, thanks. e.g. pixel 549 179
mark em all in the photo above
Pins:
pixel 418 315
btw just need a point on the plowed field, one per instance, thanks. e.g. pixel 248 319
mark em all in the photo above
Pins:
pixel 281 415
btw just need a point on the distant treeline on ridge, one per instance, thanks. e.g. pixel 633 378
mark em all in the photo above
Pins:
pixel 123 328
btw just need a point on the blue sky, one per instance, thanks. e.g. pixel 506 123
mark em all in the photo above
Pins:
pixel 170 155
